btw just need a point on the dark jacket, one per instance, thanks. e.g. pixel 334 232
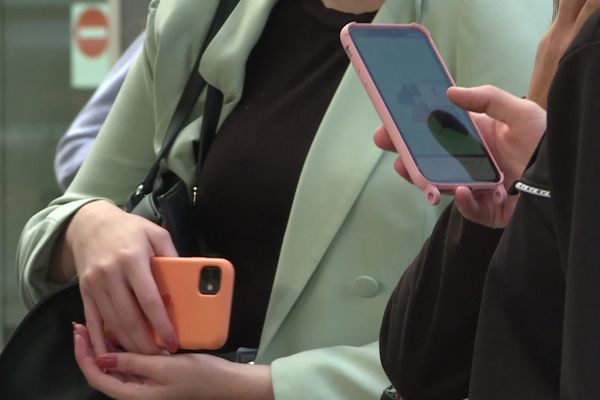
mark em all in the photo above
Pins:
pixel 520 318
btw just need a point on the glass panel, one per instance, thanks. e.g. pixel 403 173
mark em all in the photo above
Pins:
pixel 37 104
pixel 37 107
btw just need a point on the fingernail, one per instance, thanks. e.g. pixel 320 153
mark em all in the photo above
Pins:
pixel 106 361
pixel 171 344
pixel 77 327
pixel 73 324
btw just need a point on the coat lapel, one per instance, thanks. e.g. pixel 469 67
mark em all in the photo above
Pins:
pixel 224 61
pixel 183 23
pixel 338 165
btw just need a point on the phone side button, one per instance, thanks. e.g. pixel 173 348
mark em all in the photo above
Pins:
pixel 365 286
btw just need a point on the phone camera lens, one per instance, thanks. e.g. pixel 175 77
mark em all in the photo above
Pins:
pixel 210 280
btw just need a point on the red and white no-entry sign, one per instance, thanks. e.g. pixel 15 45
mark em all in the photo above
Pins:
pixel 90 43
pixel 91 32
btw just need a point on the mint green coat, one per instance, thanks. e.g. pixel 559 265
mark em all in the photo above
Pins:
pixel 354 224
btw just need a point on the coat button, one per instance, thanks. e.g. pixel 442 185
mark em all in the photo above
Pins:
pixel 365 286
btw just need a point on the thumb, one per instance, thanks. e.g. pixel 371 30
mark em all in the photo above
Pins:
pixel 490 100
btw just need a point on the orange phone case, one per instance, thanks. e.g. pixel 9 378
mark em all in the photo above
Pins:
pixel 201 321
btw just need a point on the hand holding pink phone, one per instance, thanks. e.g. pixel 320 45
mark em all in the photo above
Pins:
pixel 407 81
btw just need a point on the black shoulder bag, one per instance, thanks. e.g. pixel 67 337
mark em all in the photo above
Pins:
pixel 162 197
pixel 38 360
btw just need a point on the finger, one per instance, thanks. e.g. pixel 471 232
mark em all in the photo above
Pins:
pixel 152 306
pixel 492 101
pixel 161 242
pixel 115 316
pixel 82 330
pixel 485 126
pixel 467 204
pixel 150 367
pixel 587 10
pixel 94 323
pixel 96 378
pixel 148 295
pixel 482 121
pixel 401 169
pixel 150 299
pixel 382 139
pixel 84 353
pixel 568 10
pixel 130 320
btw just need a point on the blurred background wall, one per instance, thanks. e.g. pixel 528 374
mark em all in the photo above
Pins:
pixel 37 103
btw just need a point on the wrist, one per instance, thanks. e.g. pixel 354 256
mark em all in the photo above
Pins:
pixel 83 220
pixel 62 265
pixel 62 262
pixel 253 382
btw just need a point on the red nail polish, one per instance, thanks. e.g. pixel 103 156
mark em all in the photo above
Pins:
pixel 171 344
pixel 106 361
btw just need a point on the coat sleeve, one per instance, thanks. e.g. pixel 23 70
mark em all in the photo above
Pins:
pixel 428 331
pixel 573 146
pixel 118 160
pixel 341 372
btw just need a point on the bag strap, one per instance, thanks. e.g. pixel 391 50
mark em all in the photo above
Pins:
pixel 194 86
pixel 210 121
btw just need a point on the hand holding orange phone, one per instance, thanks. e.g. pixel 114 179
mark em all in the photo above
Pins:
pixel 197 293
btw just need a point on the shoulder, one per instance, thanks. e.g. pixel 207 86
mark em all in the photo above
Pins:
pixel 169 11
pixel 174 33
pixel 179 23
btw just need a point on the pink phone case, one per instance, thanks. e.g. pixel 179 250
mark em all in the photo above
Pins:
pixel 430 188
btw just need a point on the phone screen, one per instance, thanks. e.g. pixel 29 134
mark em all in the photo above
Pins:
pixel 439 135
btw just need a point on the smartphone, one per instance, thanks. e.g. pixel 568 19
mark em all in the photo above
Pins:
pixel 197 293
pixel 406 79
